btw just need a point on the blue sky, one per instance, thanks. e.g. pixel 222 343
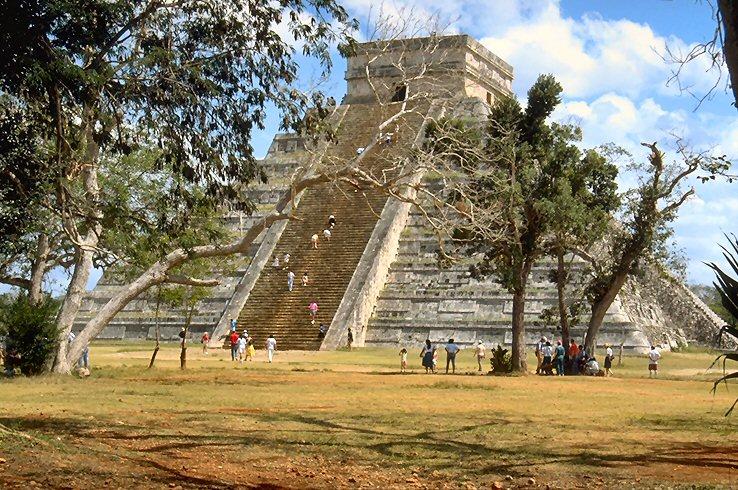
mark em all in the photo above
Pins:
pixel 606 53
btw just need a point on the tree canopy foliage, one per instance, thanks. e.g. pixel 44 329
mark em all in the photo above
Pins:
pixel 145 112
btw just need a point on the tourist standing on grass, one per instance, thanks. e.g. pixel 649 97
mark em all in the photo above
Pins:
pixel 581 360
pixel 479 353
pixel 242 340
pixel 403 360
pixel 234 345
pixel 314 241
pixel 573 353
pixel 427 355
pixel 84 360
pixel 560 354
pixel 653 362
pixel 451 350
pixel 547 353
pixel 290 280
pixel 250 350
pixel 313 307
pixel 539 353
pixel 205 339
pixel 271 346
pixel 350 338
pixel 608 360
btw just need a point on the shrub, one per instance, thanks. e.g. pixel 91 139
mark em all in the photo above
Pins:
pixel 31 334
pixel 500 361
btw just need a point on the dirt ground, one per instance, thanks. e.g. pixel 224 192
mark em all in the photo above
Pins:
pixel 349 420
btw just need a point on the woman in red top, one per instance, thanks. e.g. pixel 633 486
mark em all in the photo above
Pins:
pixel 204 340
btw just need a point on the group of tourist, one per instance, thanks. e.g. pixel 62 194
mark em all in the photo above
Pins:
pixel 242 345
pixel 429 356
pixel 574 360
pixel 551 360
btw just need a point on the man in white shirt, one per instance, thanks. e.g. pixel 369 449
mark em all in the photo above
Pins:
pixel 653 362
pixel 271 346
pixel 290 280
pixel 327 234
pixel 479 352
pixel 241 347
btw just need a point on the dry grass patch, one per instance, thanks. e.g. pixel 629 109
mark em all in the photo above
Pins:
pixel 340 419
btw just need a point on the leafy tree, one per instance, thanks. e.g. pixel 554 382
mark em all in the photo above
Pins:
pixel 642 232
pixel 727 287
pixel 533 177
pixel 182 84
pixel 31 334
pixel 579 212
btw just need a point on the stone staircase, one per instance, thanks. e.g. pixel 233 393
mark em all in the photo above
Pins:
pixel 138 320
pixel 270 307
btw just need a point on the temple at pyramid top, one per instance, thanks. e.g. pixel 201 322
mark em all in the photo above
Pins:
pixel 442 66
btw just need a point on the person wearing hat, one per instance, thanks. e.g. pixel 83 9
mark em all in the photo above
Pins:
pixel 539 353
pixel 479 352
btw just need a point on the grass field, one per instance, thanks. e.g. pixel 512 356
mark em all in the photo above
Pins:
pixel 348 419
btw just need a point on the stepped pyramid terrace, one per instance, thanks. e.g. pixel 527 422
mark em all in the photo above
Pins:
pixel 378 275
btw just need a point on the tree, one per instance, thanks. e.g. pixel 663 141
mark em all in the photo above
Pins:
pixel 579 213
pixel 511 191
pixel 187 81
pixel 727 287
pixel 642 230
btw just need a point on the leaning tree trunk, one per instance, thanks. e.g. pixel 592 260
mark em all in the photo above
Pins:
pixel 158 331
pixel 599 310
pixel 63 362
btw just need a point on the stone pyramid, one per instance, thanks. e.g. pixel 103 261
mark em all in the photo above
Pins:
pixel 378 274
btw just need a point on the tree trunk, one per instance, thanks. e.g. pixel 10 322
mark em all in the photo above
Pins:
pixel 519 360
pixel 599 309
pixel 729 14
pixel 561 279
pixel 158 335
pixel 64 359
pixel 38 269
pixel 84 250
pixel 183 353
pixel 519 363
pixel 156 349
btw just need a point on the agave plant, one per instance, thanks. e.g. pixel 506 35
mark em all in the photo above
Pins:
pixel 727 287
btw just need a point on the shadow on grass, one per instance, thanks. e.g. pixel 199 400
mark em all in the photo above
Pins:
pixel 433 450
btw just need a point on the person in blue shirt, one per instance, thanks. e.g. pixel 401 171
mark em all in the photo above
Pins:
pixel 451 351
pixel 560 353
